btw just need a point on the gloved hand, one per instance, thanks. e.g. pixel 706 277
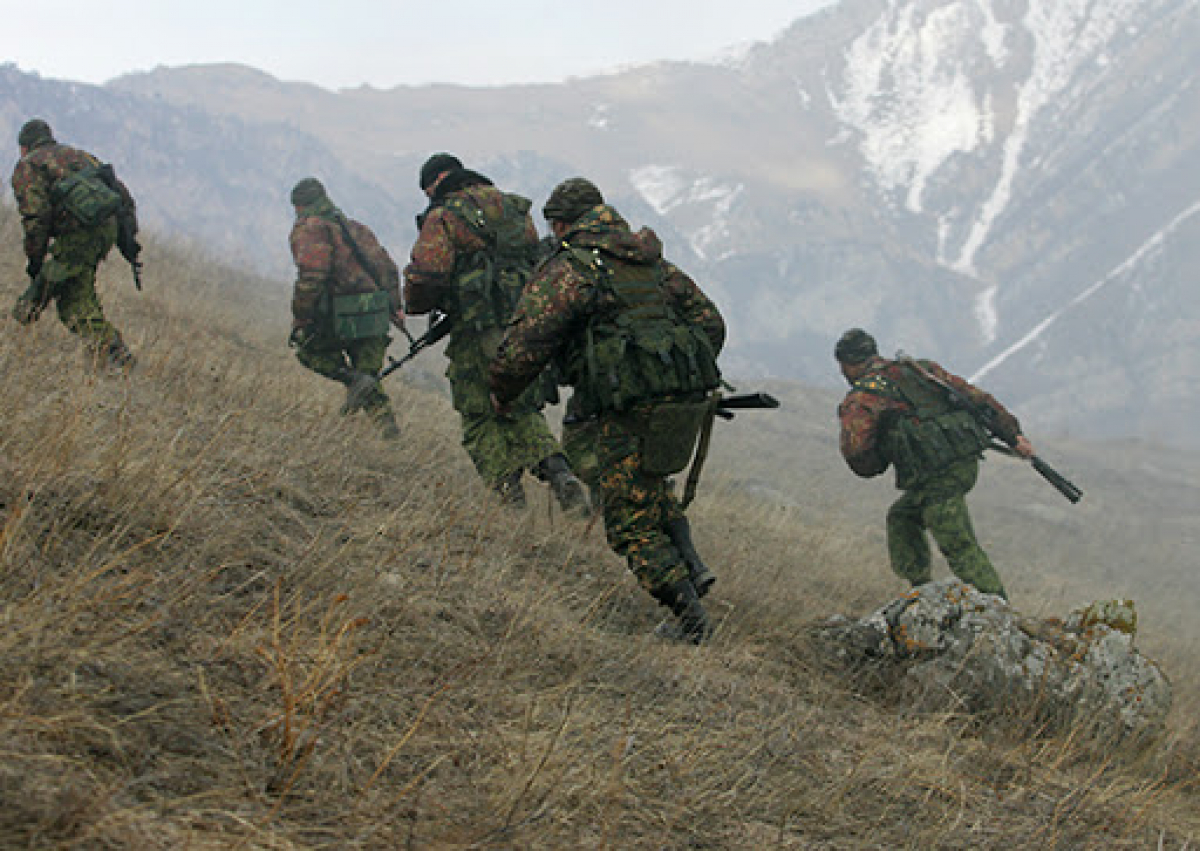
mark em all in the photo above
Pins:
pixel 300 336
pixel 33 268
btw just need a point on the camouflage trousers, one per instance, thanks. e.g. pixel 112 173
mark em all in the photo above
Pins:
pixel 939 505
pixel 499 446
pixel 68 278
pixel 333 358
pixel 638 506
pixel 579 445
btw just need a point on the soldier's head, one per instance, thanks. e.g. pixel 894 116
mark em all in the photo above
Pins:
pixel 307 192
pixel 435 168
pixel 570 200
pixel 854 348
pixel 33 131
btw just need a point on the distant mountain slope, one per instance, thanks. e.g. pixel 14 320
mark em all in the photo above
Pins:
pixel 1007 187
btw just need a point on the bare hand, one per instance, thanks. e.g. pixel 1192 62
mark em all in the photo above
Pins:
pixel 1023 447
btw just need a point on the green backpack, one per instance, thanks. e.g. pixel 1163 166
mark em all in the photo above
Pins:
pixel 86 196
pixel 935 435
pixel 640 350
pixel 489 283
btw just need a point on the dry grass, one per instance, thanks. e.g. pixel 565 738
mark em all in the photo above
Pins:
pixel 232 619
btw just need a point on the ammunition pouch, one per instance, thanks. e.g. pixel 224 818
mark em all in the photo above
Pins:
pixel 360 315
pixel 667 434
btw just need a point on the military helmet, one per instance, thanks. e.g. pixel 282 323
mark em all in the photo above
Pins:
pixel 437 164
pixel 855 346
pixel 571 199
pixel 34 130
pixel 307 191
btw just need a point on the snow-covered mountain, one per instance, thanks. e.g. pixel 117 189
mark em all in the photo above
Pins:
pixel 1009 186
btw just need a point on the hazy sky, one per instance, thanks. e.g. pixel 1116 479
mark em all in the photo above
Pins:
pixel 343 43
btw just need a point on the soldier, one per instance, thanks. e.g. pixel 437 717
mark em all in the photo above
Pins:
pixel 471 261
pixel 638 341
pixel 347 292
pixel 69 212
pixel 895 416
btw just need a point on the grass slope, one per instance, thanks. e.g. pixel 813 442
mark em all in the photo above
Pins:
pixel 232 619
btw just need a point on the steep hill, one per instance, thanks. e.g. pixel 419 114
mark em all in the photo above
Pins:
pixel 233 618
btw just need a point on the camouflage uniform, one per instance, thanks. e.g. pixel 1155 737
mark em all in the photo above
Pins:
pixel 550 323
pixel 327 265
pixel 68 276
pixel 932 499
pixel 500 446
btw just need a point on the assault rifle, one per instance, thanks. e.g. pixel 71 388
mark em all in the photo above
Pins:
pixel 437 330
pixel 986 417
pixel 724 408
pixel 745 402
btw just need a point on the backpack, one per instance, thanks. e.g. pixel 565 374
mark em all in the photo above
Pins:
pixel 934 435
pixel 87 196
pixel 639 349
pixel 489 283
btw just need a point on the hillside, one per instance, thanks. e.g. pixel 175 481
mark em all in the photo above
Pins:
pixel 234 619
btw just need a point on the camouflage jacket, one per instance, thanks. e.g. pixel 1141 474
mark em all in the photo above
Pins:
pixel 446 239
pixel 867 410
pixel 326 264
pixel 35 175
pixel 562 295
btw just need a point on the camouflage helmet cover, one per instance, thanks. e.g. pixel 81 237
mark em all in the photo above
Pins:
pixel 571 199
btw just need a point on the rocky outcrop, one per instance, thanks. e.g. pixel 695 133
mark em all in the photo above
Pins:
pixel 945 646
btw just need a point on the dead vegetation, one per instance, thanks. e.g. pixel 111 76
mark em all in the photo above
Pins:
pixel 232 619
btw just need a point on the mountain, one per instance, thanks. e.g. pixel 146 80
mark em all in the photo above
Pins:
pixel 1008 187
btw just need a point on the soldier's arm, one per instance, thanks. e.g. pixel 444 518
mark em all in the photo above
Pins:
pixel 860 415
pixel 695 306
pixel 429 272
pixel 32 191
pixel 312 250
pixel 1006 424
pixel 548 312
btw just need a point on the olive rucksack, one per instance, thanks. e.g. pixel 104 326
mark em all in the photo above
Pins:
pixel 639 349
pixel 933 436
pixel 87 196
pixel 489 283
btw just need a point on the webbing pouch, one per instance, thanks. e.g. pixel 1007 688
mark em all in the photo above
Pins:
pixel 361 315
pixel 668 435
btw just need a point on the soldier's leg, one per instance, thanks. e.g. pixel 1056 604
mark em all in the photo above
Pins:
pixel 70 275
pixel 907 548
pixel 637 508
pixel 950 524
pixel 366 358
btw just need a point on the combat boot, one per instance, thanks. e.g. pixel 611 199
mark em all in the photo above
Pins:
pixel 512 492
pixel 567 489
pixel 680 532
pixel 693 625
pixel 360 387
pixel 389 428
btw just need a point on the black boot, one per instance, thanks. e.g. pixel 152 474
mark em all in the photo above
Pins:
pixel 681 536
pixel 360 390
pixel 567 489
pixel 681 598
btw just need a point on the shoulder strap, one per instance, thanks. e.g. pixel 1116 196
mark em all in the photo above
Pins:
pixel 358 252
